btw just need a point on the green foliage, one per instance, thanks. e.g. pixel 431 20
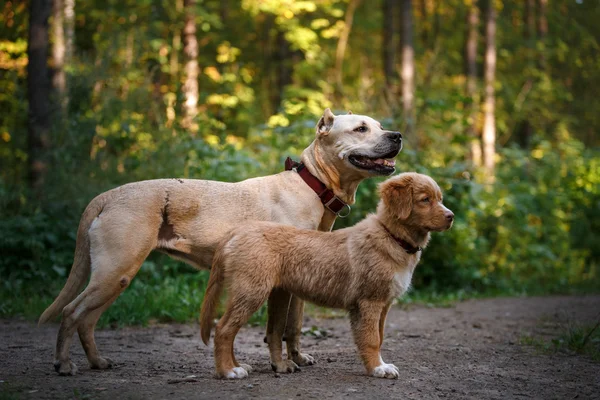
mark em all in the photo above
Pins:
pixel 267 72
pixel 581 339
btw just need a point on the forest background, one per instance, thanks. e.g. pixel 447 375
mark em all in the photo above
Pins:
pixel 496 100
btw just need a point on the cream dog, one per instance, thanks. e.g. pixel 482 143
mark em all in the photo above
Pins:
pixel 360 269
pixel 186 219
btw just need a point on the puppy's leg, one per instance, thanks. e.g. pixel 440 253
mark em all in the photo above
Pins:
pixel 242 304
pixel 293 331
pixel 382 318
pixel 365 321
pixel 278 305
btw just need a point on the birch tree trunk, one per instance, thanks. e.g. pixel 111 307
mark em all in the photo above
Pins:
pixel 191 68
pixel 38 92
pixel 408 66
pixel 471 67
pixel 58 50
pixel 489 126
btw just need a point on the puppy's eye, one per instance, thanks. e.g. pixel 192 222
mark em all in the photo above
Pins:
pixel 361 129
pixel 425 200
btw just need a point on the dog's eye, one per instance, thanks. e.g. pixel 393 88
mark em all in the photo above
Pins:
pixel 425 200
pixel 361 129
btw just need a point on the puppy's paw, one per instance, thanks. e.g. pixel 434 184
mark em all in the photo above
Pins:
pixel 389 371
pixel 235 373
pixel 65 368
pixel 285 366
pixel 247 367
pixel 101 363
pixel 303 359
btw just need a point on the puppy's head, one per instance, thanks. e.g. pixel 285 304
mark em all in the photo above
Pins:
pixel 415 200
pixel 358 141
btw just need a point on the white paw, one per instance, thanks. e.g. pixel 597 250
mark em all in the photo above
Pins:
pixel 303 359
pixel 389 371
pixel 236 373
pixel 247 367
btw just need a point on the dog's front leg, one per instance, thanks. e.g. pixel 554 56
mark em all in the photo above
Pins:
pixel 278 305
pixel 293 330
pixel 365 321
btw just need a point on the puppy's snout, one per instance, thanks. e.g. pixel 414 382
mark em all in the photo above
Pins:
pixel 449 216
pixel 395 137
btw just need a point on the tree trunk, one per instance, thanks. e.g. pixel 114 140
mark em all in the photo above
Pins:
pixel 424 23
pixel 408 66
pixel 542 29
pixel 176 44
pixel 471 67
pixel 58 50
pixel 69 30
pixel 343 42
pixel 489 126
pixel 38 91
pixel 525 129
pixel 389 53
pixel 191 68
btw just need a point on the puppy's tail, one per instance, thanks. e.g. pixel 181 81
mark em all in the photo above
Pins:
pixel 213 292
pixel 80 271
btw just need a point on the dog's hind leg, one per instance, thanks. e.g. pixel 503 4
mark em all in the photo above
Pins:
pixel 293 331
pixel 278 305
pixel 86 336
pixel 240 307
pixel 108 280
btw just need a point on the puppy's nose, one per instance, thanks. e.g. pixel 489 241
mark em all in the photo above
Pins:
pixel 450 216
pixel 395 137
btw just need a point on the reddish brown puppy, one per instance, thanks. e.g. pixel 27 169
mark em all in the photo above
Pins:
pixel 360 269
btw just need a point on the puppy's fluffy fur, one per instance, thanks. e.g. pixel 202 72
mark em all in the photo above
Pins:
pixel 360 269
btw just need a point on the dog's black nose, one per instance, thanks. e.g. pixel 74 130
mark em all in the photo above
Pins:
pixel 450 216
pixel 395 137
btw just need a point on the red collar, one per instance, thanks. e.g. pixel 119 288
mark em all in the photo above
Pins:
pixel 409 248
pixel 328 198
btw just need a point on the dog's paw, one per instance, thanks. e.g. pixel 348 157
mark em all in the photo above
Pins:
pixel 235 373
pixel 285 366
pixel 247 367
pixel 389 371
pixel 65 368
pixel 101 363
pixel 303 359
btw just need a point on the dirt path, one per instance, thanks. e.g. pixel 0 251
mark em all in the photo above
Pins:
pixel 469 351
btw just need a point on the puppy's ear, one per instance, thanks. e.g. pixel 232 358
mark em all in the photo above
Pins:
pixel 325 123
pixel 397 196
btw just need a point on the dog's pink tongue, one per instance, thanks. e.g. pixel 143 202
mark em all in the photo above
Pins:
pixel 382 161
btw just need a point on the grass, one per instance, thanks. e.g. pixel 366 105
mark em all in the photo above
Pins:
pixel 165 290
pixel 573 338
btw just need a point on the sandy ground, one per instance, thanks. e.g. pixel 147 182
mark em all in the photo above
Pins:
pixel 470 351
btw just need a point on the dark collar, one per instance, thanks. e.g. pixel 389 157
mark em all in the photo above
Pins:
pixel 328 198
pixel 409 248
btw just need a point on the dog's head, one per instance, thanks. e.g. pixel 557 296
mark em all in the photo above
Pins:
pixel 358 141
pixel 416 200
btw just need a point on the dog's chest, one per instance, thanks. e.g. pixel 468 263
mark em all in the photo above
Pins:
pixel 401 281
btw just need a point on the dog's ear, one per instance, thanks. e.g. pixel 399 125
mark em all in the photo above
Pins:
pixel 397 195
pixel 349 112
pixel 325 123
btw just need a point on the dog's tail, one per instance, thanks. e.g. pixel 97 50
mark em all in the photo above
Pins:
pixel 80 271
pixel 213 292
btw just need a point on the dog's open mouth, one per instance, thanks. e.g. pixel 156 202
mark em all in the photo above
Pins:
pixel 384 165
